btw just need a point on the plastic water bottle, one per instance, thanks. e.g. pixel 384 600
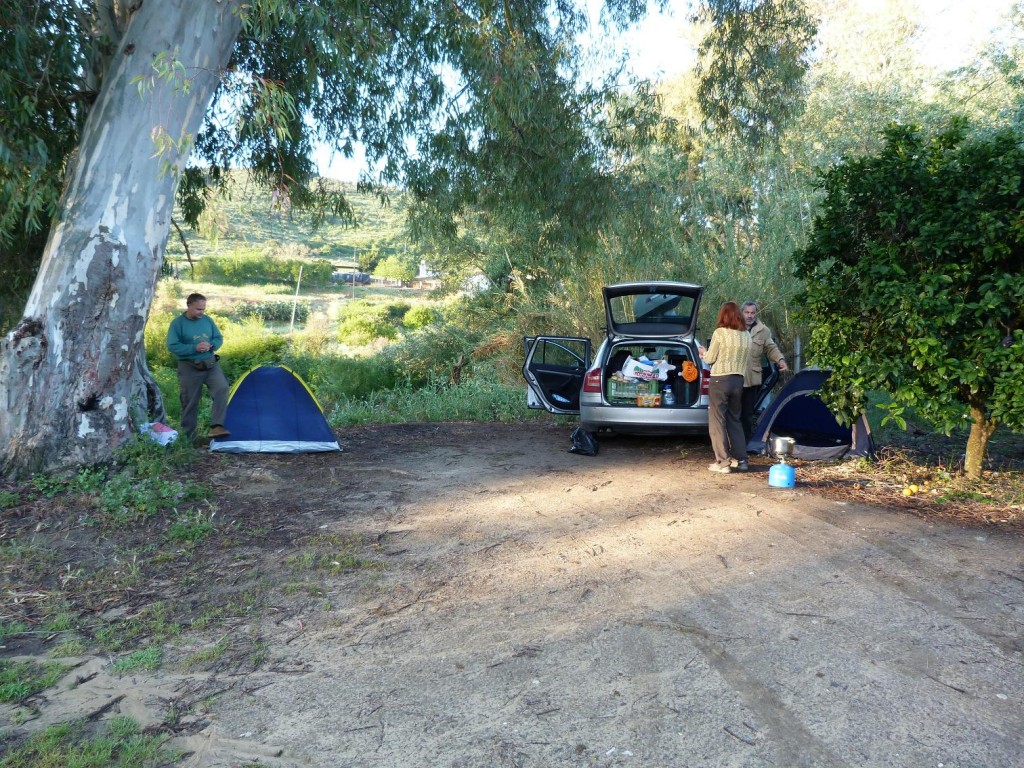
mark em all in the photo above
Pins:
pixel 667 397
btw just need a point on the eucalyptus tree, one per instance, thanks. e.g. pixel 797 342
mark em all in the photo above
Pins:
pixel 446 97
pixel 753 61
pixel 45 91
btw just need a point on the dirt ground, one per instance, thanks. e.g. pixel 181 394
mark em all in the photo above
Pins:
pixel 475 595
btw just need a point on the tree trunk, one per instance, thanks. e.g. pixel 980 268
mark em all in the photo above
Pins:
pixel 145 391
pixel 977 442
pixel 66 369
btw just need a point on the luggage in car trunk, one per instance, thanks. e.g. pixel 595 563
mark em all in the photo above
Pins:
pixel 626 393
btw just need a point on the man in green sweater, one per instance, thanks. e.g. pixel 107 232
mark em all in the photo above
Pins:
pixel 193 339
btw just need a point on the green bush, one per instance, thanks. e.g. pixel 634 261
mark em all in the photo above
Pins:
pixel 315 338
pixel 480 398
pixel 362 322
pixel 361 330
pixel 248 344
pixel 248 268
pixel 397 310
pixel 335 378
pixel 155 337
pixel 276 311
pixel 418 317
pixel 431 352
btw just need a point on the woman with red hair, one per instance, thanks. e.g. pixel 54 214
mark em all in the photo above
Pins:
pixel 727 356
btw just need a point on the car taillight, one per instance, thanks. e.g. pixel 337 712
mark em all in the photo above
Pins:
pixel 705 380
pixel 592 381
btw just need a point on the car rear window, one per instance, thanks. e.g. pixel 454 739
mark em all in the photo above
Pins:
pixel 652 308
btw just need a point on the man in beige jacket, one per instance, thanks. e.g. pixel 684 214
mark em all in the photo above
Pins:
pixel 761 345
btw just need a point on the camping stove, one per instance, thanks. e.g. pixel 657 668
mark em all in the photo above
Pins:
pixel 782 475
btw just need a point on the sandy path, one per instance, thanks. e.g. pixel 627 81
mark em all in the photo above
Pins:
pixel 544 609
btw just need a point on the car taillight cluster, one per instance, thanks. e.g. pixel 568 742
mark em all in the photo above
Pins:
pixel 705 380
pixel 592 381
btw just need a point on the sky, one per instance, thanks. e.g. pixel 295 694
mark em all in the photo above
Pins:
pixel 953 33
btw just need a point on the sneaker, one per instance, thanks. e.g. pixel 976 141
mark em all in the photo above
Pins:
pixel 720 468
pixel 218 431
pixel 740 465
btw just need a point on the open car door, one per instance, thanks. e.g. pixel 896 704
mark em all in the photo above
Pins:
pixel 554 371
pixel 769 378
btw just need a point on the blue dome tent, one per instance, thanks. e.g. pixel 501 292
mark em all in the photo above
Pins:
pixel 797 412
pixel 271 410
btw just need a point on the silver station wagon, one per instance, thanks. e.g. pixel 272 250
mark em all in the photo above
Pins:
pixel 646 378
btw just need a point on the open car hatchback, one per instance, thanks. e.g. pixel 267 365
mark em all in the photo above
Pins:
pixel 651 321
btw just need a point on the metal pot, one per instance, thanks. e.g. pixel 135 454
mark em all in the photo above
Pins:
pixel 783 446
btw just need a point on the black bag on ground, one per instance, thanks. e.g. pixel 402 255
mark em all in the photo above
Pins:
pixel 583 442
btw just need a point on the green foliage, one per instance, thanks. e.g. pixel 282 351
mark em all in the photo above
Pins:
pixel 247 268
pixel 10 629
pixel 752 64
pixel 362 321
pixel 335 554
pixel 241 214
pixel 277 311
pixel 120 744
pixel 126 500
pixel 482 397
pixel 915 277
pixel 19 680
pixel 148 658
pixel 418 317
pixel 190 526
pixel 336 377
pixel 395 267
pixel 155 622
pixel 431 352
pixel 40 117
pixel 141 482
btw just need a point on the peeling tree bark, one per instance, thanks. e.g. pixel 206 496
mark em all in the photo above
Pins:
pixel 66 369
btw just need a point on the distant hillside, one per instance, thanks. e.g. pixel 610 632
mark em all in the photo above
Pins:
pixel 249 218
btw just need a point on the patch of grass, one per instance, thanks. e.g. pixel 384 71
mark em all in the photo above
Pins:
pixel 156 621
pixel 478 399
pixel 148 658
pixel 207 655
pixel 190 526
pixel 20 680
pixel 73 647
pixel 119 744
pixel 11 629
pixel 49 485
pixel 62 621
pixel 9 499
pixel 25 557
pixel 210 617
pixel 302 587
pixel 126 500
pixel 333 553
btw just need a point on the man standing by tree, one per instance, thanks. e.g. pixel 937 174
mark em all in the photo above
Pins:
pixel 762 344
pixel 193 339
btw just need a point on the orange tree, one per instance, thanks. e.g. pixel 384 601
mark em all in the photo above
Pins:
pixel 915 280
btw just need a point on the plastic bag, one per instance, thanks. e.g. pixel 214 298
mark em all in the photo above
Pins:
pixel 638 369
pixel 159 433
pixel 583 442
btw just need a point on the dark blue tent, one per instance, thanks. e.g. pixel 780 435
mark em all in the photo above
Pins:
pixel 799 413
pixel 271 410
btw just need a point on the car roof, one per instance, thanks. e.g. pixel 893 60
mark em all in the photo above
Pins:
pixel 653 309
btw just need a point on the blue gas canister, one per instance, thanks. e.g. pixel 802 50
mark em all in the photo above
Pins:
pixel 782 476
